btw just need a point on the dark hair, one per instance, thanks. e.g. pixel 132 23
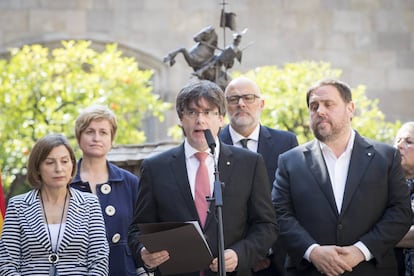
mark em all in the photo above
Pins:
pixel 194 91
pixel 342 87
pixel 40 152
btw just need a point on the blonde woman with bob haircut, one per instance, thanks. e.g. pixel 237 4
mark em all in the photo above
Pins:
pixel 116 188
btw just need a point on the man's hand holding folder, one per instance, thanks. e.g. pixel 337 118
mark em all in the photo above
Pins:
pixel 187 248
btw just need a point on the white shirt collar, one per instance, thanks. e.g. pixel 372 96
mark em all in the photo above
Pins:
pixel 190 151
pixel 236 137
pixel 348 148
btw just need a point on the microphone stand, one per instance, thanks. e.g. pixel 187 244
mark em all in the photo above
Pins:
pixel 218 198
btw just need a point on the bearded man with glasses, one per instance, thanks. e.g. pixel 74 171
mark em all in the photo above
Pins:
pixel 244 107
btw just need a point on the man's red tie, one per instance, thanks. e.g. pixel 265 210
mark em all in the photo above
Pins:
pixel 202 187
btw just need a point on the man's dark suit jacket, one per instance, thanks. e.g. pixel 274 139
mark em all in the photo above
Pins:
pixel 272 142
pixel 375 210
pixel 249 221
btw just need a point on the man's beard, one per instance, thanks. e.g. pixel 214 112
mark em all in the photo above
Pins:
pixel 326 134
pixel 246 120
pixel 330 132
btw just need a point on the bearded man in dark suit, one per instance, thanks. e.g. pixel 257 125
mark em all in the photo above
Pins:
pixel 244 107
pixel 341 200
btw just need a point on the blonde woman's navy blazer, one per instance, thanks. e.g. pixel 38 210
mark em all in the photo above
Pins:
pixel 117 205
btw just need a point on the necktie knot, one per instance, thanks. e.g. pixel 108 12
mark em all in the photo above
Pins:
pixel 243 142
pixel 201 156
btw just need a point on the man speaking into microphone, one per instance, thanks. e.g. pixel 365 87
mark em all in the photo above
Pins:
pixel 174 185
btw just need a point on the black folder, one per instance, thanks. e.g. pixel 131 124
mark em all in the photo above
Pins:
pixel 184 241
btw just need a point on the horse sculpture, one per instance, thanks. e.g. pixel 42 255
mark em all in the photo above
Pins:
pixel 202 58
pixel 216 68
pixel 201 53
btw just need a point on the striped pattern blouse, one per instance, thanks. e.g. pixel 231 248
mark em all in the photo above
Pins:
pixel 25 245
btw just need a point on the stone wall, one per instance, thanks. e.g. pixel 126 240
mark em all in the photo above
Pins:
pixel 372 41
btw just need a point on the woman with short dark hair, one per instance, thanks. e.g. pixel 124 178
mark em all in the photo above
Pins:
pixel 53 229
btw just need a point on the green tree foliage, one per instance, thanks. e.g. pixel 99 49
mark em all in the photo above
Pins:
pixel 43 90
pixel 284 90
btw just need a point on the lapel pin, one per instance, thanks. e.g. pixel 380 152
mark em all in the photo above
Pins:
pixel 369 153
pixel 228 163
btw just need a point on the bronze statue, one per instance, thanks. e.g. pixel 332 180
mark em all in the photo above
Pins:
pixel 207 64
pixel 201 52
pixel 216 68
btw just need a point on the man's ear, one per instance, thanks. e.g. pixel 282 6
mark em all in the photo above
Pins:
pixel 351 109
pixel 262 103
pixel 222 122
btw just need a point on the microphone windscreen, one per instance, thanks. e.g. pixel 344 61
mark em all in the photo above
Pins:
pixel 209 138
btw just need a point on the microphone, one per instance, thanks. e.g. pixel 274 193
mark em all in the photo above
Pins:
pixel 210 140
pixel 218 199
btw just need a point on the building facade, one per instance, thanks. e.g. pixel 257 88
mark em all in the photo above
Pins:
pixel 371 41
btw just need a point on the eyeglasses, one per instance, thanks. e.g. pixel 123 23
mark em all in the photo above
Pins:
pixel 247 99
pixel 208 114
pixel 404 142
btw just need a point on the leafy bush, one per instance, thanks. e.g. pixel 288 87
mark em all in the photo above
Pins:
pixel 43 91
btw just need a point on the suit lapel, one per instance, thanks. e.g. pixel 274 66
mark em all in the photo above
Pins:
pixel 225 136
pixel 264 145
pixel 362 154
pixel 179 170
pixel 225 167
pixel 33 214
pixel 75 212
pixel 225 164
pixel 317 166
